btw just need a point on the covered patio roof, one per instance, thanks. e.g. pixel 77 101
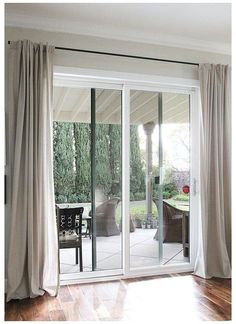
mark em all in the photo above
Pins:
pixel 73 105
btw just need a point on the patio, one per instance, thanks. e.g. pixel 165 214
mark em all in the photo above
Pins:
pixel 143 252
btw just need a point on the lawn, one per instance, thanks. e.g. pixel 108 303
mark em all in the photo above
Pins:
pixel 138 208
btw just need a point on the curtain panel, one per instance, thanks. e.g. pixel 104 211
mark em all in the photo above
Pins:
pixel 214 253
pixel 33 248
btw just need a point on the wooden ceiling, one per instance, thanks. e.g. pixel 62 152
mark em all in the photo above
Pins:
pixel 74 105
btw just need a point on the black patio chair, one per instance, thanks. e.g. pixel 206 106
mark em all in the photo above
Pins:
pixel 69 222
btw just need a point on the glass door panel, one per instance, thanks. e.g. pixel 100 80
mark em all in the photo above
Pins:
pixel 144 250
pixel 107 173
pixel 159 178
pixel 72 165
pixel 87 173
pixel 175 135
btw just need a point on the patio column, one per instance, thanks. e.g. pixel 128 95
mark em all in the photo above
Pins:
pixel 148 128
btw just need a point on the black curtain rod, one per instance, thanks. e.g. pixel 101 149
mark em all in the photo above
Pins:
pixel 122 55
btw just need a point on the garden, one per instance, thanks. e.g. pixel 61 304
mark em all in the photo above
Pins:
pixel 72 169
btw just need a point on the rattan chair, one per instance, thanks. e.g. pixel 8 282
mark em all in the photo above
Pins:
pixel 172 223
pixel 105 218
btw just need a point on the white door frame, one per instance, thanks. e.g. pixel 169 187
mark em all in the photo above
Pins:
pixel 76 77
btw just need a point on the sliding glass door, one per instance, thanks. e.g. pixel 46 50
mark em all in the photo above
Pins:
pixel 159 178
pixel 125 155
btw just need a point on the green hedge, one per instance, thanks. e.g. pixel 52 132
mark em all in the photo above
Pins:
pixel 72 162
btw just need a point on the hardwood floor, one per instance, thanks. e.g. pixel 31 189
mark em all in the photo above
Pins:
pixel 168 298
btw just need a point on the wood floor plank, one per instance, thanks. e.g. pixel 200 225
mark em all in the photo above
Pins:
pixel 27 309
pixel 42 309
pixel 57 315
pixel 131 299
pixel 12 311
pixel 53 303
pixel 85 309
pixel 65 295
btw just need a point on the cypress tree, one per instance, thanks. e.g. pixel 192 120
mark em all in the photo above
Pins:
pixel 115 158
pixel 64 173
pixel 82 138
pixel 72 161
pixel 137 174
pixel 102 158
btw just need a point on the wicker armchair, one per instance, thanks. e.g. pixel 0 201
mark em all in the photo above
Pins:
pixel 105 218
pixel 172 223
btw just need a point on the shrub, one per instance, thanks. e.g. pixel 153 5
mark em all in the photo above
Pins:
pixel 139 196
pixel 82 198
pixel 72 198
pixel 61 199
pixel 137 210
pixel 182 197
pixel 174 193
pixel 166 195
pixel 171 189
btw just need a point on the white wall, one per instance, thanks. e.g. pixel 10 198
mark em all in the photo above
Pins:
pixel 93 61
pixel 83 60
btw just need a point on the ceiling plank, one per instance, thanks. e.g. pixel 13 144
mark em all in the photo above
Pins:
pixel 105 99
pixel 113 110
pixel 167 100
pixel 152 105
pixel 82 94
pixel 61 102
pixel 142 100
pixel 171 110
pixel 116 105
pixel 65 116
pixel 141 119
pixel 84 102
pixel 179 115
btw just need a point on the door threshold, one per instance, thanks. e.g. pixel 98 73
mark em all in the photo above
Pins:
pixel 137 273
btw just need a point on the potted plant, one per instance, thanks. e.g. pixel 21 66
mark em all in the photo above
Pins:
pixel 149 225
pixel 138 221
pixel 144 224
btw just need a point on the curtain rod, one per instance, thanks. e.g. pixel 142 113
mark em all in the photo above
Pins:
pixel 122 55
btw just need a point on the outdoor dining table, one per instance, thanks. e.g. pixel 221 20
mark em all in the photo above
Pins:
pixel 184 207
pixel 185 228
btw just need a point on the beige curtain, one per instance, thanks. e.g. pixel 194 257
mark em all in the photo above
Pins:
pixel 214 252
pixel 33 249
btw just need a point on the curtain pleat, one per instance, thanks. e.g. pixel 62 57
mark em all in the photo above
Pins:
pixel 214 252
pixel 33 250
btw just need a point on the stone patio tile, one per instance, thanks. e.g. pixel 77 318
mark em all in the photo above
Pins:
pixel 144 252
